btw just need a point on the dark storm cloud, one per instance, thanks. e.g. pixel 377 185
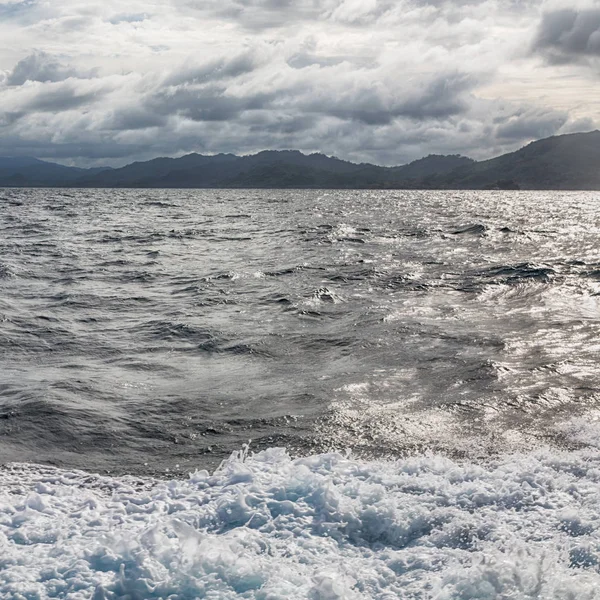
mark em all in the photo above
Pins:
pixel 530 124
pixel 280 124
pixel 567 35
pixel 62 98
pixel 91 148
pixel 441 97
pixel 209 103
pixel 10 116
pixel 39 66
pixel 133 118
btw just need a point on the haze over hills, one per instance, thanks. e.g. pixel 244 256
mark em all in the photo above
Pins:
pixel 562 162
pixel 32 172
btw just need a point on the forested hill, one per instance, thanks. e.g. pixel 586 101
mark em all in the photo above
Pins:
pixel 567 162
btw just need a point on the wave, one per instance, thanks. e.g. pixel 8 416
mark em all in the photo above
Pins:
pixel 515 273
pixel 158 204
pixel 476 229
pixel 325 526
pixel 324 294
pixel 5 271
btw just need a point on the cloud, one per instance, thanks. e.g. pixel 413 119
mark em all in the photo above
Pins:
pixel 62 98
pixel 357 98
pixel 360 12
pixel 530 124
pixel 132 118
pixel 26 101
pixel 263 14
pixel 219 68
pixel 14 8
pixel 127 18
pixel 372 80
pixel 441 97
pixel 39 66
pixel 208 103
pixel 569 34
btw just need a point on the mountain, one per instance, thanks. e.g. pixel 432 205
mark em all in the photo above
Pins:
pixel 561 162
pixel 271 169
pixel 17 162
pixel 22 171
pixel 565 162
pixel 150 173
pixel 434 164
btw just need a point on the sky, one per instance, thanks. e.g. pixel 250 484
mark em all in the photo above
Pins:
pixel 90 82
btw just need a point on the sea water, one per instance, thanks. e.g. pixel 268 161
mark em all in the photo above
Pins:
pixel 299 394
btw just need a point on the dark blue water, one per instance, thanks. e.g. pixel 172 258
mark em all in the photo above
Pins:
pixel 142 331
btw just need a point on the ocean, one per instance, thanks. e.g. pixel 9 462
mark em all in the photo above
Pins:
pixel 277 394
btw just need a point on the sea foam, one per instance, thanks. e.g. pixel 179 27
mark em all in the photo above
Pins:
pixel 269 527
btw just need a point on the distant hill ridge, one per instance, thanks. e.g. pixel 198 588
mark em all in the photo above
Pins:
pixel 562 162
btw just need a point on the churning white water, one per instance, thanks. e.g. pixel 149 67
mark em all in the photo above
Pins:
pixel 269 527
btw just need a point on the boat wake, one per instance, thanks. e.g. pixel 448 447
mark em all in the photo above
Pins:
pixel 267 526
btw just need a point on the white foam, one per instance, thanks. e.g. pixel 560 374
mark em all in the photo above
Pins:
pixel 325 527
pixel 582 430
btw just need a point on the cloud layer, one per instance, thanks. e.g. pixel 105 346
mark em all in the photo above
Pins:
pixel 568 34
pixel 367 80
